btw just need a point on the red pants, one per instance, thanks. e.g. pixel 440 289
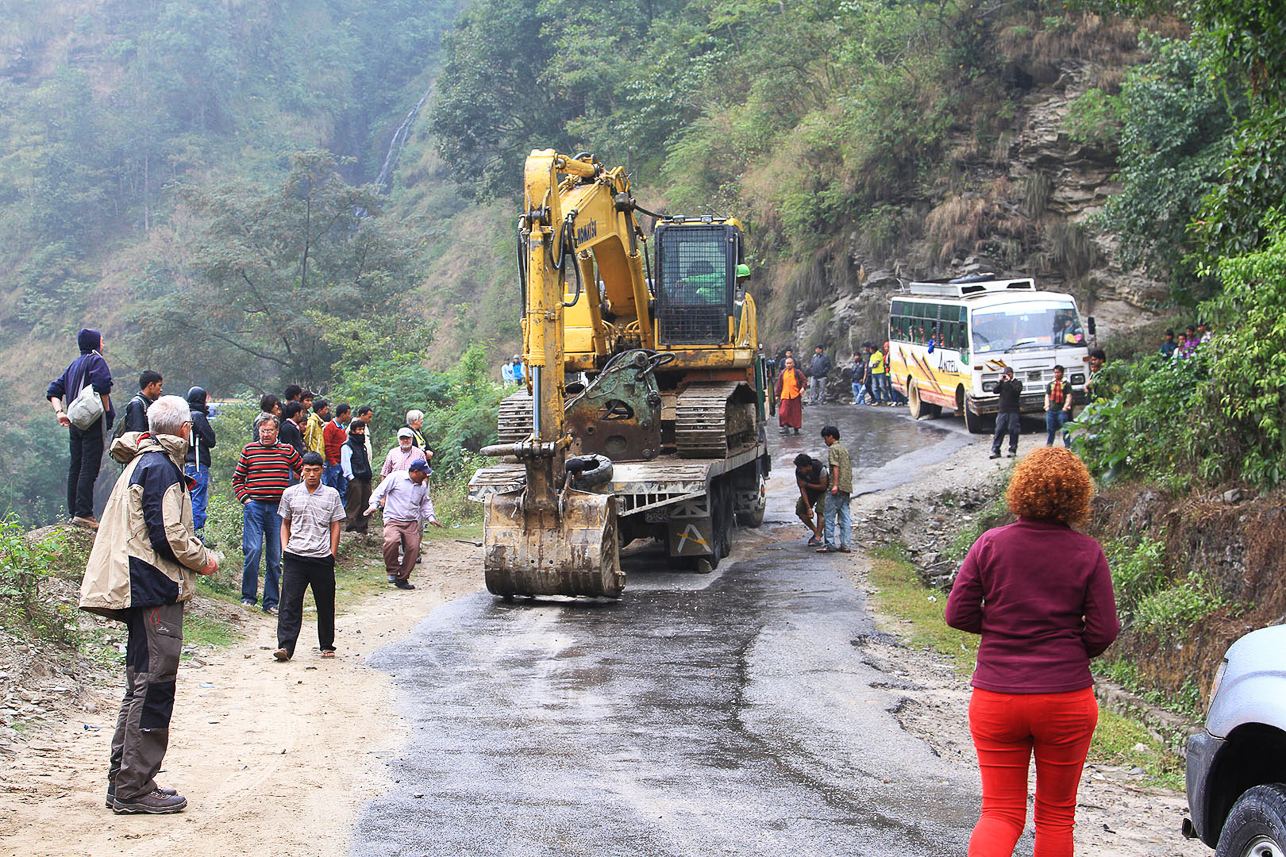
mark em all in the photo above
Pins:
pixel 1006 728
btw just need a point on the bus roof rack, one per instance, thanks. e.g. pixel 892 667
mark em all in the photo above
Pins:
pixel 975 285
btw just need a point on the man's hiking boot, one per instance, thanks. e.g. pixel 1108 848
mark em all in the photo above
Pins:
pixel 281 655
pixel 111 793
pixel 404 584
pixel 154 802
pixel 88 523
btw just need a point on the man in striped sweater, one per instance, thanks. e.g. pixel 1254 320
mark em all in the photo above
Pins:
pixel 261 476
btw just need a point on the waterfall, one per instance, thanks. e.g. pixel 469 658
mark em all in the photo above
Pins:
pixel 384 181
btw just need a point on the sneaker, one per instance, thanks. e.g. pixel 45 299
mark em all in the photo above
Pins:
pixel 247 603
pixel 994 455
pixel 88 523
pixel 271 611
pixel 1013 454
pixel 154 802
pixel 392 578
pixel 404 584
pixel 111 793
pixel 281 655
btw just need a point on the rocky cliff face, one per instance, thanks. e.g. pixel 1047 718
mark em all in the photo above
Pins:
pixel 1021 207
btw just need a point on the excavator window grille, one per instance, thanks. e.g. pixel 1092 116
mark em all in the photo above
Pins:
pixel 694 294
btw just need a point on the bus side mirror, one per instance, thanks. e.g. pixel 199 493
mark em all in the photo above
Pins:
pixel 1089 325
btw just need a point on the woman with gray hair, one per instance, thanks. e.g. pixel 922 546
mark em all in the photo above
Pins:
pixel 415 422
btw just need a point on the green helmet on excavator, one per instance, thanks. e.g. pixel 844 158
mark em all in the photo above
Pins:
pixel 743 271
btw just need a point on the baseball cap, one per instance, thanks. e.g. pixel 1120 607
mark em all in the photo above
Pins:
pixel 405 432
pixel 419 464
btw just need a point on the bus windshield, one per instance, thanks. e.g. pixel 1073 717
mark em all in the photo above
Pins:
pixel 1032 324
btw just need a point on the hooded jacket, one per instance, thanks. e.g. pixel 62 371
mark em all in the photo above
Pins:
pixel 88 368
pixel 145 553
pixel 202 434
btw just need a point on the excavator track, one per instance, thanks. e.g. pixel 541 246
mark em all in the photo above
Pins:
pixel 713 419
pixel 514 423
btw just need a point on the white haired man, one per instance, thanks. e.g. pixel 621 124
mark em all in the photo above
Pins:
pixel 141 571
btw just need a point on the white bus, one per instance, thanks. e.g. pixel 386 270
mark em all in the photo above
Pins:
pixel 950 341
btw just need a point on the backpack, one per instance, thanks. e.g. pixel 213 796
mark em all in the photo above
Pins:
pixel 87 408
pixel 119 429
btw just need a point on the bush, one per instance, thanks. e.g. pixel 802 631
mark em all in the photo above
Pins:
pixel 1138 569
pixel 24 565
pixel 1173 611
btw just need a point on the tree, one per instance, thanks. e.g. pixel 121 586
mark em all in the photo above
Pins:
pixel 268 266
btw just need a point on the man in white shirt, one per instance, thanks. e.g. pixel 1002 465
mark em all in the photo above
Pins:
pixel 407 505
pixel 310 516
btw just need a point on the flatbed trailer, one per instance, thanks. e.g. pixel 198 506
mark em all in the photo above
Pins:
pixel 689 502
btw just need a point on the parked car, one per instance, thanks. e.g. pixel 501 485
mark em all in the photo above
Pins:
pixel 1236 766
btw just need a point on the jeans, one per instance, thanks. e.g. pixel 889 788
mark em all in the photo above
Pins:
pixel 333 476
pixel 1055 420
pixel 880 387
pixel 261 529
pixel 1007 728
pixel 817 390
pixel 859 393
pixel 836 511
pixel 1010 424
pixel 86 459
pixel 200 492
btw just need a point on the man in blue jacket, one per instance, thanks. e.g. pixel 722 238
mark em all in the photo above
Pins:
pixel 86 444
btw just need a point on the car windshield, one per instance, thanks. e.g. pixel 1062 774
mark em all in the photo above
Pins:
pixel 1037 324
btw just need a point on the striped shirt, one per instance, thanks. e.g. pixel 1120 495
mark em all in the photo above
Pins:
pixel 263 472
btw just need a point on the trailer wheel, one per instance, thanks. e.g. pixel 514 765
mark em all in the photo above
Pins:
pixel 755 516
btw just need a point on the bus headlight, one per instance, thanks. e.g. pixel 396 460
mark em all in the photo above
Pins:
pixel 989 386
pixel 1078 378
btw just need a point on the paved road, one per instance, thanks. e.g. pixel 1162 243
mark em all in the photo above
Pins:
pixel 728 713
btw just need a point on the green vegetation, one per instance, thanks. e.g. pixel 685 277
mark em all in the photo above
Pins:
pixel 27 566
pixel 901 594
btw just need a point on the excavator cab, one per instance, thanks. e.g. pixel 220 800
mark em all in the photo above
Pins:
pixel 697 262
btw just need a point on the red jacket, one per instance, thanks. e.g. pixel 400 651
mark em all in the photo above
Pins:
pixel 333 437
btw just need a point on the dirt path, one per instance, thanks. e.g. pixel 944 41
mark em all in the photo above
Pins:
pixel 273 758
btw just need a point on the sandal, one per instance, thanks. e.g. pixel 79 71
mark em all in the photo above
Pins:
pixel 328 653
pixel 813 542
pixel 828 550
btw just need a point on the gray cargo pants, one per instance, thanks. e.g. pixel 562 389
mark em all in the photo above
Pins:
pixel 143 726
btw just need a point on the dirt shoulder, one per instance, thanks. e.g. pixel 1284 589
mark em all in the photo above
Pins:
pixel 273 758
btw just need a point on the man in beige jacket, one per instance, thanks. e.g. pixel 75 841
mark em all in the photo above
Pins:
pixel 141 570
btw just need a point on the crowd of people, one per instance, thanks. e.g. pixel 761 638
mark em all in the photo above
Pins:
pixel 303 472
pixel 1194 336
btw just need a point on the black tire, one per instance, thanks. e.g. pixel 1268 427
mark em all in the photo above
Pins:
pixel 973 421
pixel 1256 826
pixel 755 518
pixel 592 470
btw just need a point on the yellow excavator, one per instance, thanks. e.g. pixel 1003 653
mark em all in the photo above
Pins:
pixel 642 413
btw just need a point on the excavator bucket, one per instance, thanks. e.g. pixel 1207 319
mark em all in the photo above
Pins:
pixel 529 551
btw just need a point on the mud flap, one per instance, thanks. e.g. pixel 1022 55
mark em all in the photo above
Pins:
pixel 535 552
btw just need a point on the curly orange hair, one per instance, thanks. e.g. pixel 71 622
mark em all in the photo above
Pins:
pixel 1051 484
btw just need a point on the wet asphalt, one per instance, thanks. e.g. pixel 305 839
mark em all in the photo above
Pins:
pixel 727 713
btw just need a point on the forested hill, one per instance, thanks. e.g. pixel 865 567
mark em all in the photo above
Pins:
pixel 242 193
